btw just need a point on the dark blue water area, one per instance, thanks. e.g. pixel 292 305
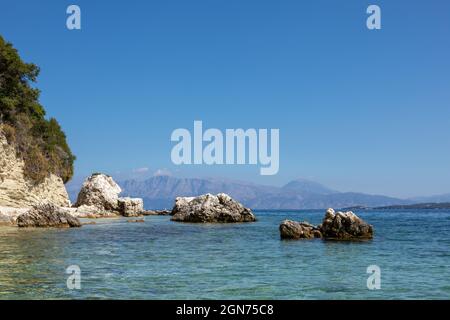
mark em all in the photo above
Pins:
pixel 161 259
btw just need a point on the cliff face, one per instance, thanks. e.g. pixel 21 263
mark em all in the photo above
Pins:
pixel 17 191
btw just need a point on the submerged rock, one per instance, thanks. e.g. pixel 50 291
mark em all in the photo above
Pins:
pixel 88 223
pixel 47 215
pixel 345 226
pixel 211 208
pixel 335 226
pixel 298 230
pixel 156 212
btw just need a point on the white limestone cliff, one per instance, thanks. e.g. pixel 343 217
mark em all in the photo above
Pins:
pixel 17 191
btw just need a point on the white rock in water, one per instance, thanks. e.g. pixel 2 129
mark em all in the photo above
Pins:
pixel 100 191
pixel 131 207
pixel 211 208
pixel 330 213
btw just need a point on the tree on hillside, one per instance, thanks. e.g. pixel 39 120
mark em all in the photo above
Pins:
pixel 40 142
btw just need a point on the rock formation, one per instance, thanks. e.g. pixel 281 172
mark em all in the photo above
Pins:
pixel 345 226
pixel 335 226
pixel 17 191
pixel 210 208
pixel 100 191
pixel 99 197
pixel 47 215
pixel 131 207
pixel 298 230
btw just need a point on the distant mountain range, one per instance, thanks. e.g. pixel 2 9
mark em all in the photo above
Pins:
pixel 442 198
pixel 159 192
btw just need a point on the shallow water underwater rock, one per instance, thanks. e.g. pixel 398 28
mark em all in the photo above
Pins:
pixel 210 208
pixel 88 223
pixel 156 212
pixel 47 215
pixel 335 226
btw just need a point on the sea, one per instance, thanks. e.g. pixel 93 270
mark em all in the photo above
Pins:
pixel 161 259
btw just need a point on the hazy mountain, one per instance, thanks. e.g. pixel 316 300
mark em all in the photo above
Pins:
pixel 321 201
pixel 160 192
pixel 306 187
pixel 433 199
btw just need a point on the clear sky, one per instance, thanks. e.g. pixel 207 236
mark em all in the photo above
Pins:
pixel 358 110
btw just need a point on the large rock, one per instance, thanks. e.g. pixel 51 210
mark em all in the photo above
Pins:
pixel 298 230
pixel 210 208
pixel 345 226
pixel 335 226
pixel 131 207
pixel 47 215
pixel 100 191
pixel 17 191
pixel 99 197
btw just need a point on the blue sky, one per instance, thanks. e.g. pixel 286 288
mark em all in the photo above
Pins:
pixel 357 110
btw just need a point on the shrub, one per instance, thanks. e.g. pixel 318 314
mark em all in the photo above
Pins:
pixel 36 165
pixel 10 133
pixel 40 142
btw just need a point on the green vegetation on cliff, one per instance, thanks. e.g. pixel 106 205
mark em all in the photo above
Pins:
pixel 39 142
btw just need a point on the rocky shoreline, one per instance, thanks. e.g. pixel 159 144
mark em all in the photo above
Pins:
pixel 99 198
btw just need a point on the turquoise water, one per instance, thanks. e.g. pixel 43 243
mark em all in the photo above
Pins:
pixel 160 259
